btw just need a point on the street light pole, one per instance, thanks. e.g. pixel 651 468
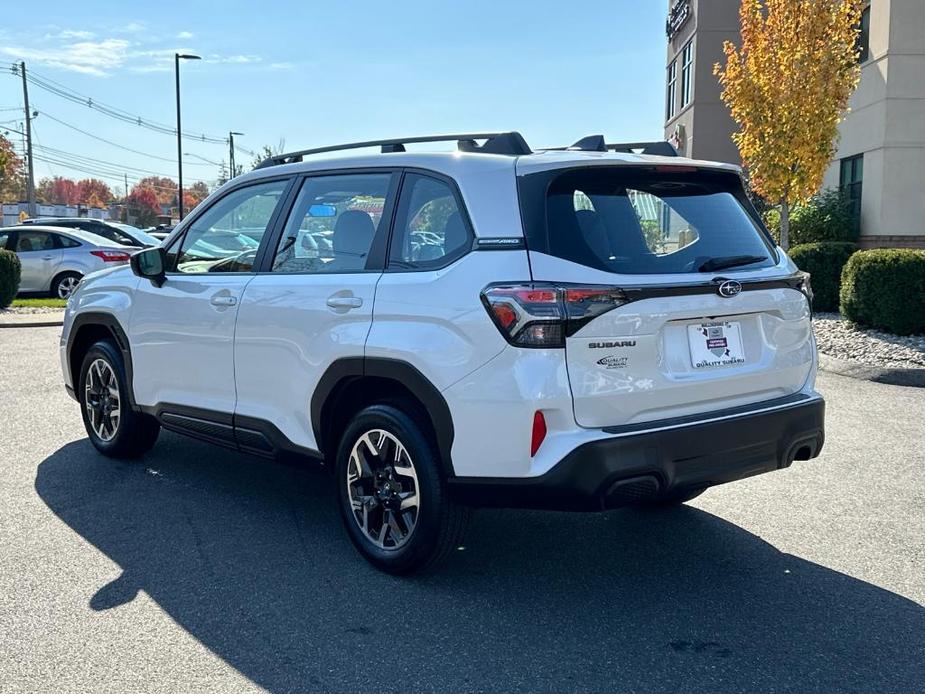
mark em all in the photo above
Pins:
pixel 231 135
pixel 177 57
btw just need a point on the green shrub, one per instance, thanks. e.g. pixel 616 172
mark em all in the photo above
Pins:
pixel 885 288
pixel 824 262
pixel 828 216
pixel 10 271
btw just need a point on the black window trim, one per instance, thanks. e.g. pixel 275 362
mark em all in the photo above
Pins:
pixel 282 204
pixel 378 251
pixel 450 258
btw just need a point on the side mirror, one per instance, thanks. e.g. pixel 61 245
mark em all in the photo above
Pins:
pixel 150 264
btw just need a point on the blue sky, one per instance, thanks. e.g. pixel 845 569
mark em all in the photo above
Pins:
pixel 313 73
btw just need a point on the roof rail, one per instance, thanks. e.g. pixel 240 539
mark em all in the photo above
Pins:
pixel 508 143
pixel 596 143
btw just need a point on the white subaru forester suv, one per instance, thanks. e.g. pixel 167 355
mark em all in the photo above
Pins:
pixel 578 328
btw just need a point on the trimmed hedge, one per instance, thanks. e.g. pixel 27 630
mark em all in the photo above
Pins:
pixel 10 271
pixel 885 288
pixel 824 262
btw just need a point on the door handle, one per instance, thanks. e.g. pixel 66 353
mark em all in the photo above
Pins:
pixel 48 257
pixel 345 301
pixel 223 300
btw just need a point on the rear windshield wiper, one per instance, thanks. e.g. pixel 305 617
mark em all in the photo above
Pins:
pixel 730 261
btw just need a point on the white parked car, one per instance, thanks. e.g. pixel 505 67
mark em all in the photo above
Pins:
pixel 582 329
pixel 54 259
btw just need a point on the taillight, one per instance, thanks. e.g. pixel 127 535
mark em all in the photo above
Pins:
pixel 543 315
pixel 112 256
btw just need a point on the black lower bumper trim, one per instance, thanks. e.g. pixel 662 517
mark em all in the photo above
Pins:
pixel 636 466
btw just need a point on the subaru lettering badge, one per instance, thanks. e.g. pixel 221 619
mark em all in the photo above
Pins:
pixel 729 288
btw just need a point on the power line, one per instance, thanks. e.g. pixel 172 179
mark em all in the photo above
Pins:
pixel 80 158
pixel 110 142
pixel 49 85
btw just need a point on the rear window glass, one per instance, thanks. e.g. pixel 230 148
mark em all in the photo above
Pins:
pixel 640 221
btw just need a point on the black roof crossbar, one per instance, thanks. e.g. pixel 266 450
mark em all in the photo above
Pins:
pixel 596 143
pixel 662 149
pixel 509 143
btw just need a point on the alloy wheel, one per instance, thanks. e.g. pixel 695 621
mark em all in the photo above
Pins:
pixel 67 285
pixel 101 398
pixel 383 489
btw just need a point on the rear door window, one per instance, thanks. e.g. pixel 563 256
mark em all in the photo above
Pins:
pixel 642 221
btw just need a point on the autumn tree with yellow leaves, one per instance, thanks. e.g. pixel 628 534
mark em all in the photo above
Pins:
pixel 788 86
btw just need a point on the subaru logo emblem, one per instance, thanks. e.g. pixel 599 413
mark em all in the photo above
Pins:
pixel 729 288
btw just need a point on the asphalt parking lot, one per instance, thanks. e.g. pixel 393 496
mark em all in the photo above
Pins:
pixel 198 569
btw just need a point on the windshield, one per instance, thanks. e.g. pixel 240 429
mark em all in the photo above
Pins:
pixel 138 234
pixel 643 221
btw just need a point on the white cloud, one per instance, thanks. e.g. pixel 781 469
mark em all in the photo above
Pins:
pixel 281 66
pixel 183 35
pixel 131 28
pixel 88 57
pixel 69 34
pixel 236 59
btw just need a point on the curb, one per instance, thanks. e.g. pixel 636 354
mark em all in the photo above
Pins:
pixel 35 320
pixel 912 378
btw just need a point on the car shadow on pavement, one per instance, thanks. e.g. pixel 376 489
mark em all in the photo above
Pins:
pixel 249 557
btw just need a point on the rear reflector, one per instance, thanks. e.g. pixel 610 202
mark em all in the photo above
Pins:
pixel 112 256
pixel 539 432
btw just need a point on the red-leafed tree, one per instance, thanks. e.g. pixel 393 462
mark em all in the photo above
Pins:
pixel 143 205
pixel 165 188
pixel 94 192
pixel 12 182
pixel 57 191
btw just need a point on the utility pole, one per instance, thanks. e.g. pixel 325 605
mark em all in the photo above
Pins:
pixel 30 184
pixel 233 171
pixel 125 176
pixel 231 153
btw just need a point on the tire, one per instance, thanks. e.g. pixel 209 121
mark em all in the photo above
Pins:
pixel 675 499
pixel 64 284
pixel 401 488
pixel 130 433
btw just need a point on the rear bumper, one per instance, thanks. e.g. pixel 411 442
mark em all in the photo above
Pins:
pixel 637 464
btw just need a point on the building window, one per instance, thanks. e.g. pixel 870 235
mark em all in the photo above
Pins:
pixel 687 77
pixel 864 36
pixel 672 83
pixel 850 181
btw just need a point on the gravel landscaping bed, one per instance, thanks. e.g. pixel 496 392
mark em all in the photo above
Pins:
pixel 29 310
pixel 838 338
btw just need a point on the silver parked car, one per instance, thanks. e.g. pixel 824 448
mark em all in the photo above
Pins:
pixel 123 234
pixel 55 259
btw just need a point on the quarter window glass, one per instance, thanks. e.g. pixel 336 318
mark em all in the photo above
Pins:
pixel 4 238
pixel 226 237
pixel 65 242
pixel 430 229
pixel 34 241
pixel 333 223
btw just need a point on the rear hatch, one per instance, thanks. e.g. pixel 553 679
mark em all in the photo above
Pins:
pixel 678 301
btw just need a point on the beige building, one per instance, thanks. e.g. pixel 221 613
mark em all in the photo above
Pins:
pixel 881 154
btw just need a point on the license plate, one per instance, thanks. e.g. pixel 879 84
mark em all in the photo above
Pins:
pixel 715 344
